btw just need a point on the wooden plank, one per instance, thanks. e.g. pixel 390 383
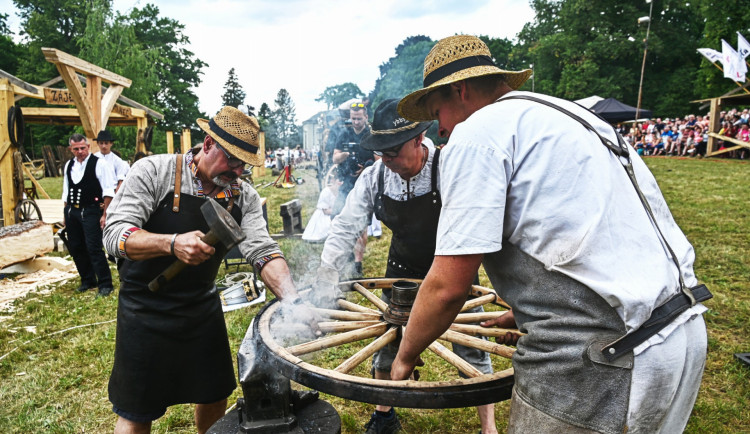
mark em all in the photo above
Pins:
pixel 52 210
pixel 9 198
pixel 79 96
pixel 39 188
pixel 18 82
pixel 170 142
pixel 737 142
pixel 58 96
pixel 44 263
pixel 58 57
pixel 108 102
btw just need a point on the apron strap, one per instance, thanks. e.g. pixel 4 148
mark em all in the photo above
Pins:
pixel 177 183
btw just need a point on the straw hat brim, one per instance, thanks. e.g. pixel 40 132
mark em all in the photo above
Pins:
pixel 412 106
pixel 247 157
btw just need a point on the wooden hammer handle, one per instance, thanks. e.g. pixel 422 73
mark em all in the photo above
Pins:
pixel 177 266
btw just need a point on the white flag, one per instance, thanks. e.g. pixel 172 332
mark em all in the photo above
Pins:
pixel 743 47
pixel 732 63
pixel 712 55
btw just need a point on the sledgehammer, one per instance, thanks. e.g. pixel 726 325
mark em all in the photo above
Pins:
pixel 223 228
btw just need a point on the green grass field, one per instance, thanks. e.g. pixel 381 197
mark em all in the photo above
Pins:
pixel 54 379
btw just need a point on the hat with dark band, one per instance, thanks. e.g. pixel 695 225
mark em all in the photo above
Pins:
pixel 389 129
pixel 453 59
pixel 236 132
pixel 105 136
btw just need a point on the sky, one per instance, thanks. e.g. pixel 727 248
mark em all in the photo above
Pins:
pixel 305 46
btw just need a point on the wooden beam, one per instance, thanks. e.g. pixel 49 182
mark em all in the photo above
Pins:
pixel 132 103
pixel 39 188
pixel 7 189
pixel 185 141
pixel 108 102
pixel 723 151
pixel 737 142
pixel 58 57
pixel 18 82
pixel 170 142
pixel 79 96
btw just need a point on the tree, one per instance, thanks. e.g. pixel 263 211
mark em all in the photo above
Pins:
pixel 177 67
pixel 284 118
pixel 334 96
pixel 268 126
pixel 402 73
pixel 233 95
pixel 9 51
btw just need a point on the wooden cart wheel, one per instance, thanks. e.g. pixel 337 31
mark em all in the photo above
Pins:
pixel 27 210
pixel 339 362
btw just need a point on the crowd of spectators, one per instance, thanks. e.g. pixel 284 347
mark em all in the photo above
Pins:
pixel 688 137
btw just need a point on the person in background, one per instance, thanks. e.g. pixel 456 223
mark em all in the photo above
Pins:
pixel 105 141
pixel 88 188
pixel 319 225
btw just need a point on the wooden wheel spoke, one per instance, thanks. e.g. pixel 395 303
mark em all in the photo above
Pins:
pixel 480 344
pixel 479 301
pixel 449 356
pixel 490 332
pixel 370 296
pixel 363 354
pixel 463 318
pixel 344 326
pixel 339 339
pixel 353 307
pixel 346 316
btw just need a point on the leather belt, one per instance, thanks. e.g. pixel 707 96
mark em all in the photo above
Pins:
pixel 660 317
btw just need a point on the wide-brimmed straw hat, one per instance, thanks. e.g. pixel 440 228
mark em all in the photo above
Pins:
pixel 453 59
pixel 389 129
pixel 237 133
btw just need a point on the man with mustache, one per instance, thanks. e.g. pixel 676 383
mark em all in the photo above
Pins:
pixel 171 345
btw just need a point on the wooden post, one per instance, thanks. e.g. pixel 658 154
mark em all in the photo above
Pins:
pixel 185 141
pixel 6 155
pixel 714 127
pixel 261 170
pixel 170 142
pixel 141 124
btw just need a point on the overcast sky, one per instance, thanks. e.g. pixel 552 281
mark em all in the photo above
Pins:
pixel 305 46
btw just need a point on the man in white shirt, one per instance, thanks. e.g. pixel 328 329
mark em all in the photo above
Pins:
pixel 544 202
pixel 88 188
pixel 121 167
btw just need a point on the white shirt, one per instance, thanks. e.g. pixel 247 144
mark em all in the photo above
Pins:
pixel 526 173
pixel 360 205
pixel 121 166
pixel 104 173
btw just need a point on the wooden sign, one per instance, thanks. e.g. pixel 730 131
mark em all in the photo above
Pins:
pixel 58 96
pixel 122 110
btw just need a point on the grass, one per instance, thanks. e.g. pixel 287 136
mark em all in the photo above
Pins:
pixel 58 382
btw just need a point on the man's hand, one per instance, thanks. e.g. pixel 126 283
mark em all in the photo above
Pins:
pixel 402 369
pixel 506 321
pixel 103 220
pixel 298 312
pixel 190 249
pixel 359 171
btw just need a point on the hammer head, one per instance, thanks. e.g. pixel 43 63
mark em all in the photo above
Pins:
pixel 222 224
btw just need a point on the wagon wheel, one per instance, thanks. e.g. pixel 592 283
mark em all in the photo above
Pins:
pixel 27 210
pixel 355 331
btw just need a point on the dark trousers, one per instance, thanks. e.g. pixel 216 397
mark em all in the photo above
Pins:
pixel 85 245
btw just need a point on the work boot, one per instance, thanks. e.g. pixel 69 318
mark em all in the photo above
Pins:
pixel 84 287
pixel 379 424
pixel 105 291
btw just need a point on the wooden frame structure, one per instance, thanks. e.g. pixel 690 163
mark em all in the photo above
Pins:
pixel 713 131
pixel 95 106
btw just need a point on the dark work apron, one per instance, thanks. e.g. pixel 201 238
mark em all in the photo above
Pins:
pixel 171 345
pixel 414 225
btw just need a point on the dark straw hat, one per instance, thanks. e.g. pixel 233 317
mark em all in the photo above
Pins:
pixel 237 133
pixel 453 59
pixel 105 136
pixel 389 129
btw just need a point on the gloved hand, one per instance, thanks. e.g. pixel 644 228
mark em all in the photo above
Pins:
pixel 326 290
pixel 297 311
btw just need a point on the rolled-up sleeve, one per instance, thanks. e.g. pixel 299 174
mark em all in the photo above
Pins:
pixel 134 202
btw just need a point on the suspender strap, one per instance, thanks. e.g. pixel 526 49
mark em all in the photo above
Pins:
pixel 177 183
pixel 435 166
pixel 621 150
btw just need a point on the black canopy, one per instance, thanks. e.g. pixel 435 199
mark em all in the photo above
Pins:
pixel 613 111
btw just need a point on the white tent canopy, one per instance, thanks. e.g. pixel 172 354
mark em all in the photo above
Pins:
pixel 589 101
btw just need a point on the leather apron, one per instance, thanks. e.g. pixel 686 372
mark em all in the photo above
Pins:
pixel 414 225
pixel 171 345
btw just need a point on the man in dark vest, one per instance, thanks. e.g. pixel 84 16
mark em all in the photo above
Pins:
pixel 402 190
pixel 88 182
pixel 171 345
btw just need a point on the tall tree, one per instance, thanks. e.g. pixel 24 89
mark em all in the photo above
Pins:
pixel 233 94
pixel 268 126
pixel 9 51
pixel 336 95
pixel 402 73
pixel 178 69
pixel 284 118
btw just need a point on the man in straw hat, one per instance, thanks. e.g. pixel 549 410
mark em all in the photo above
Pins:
pixel 544 203
pixel 171 345
pixel 401 189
